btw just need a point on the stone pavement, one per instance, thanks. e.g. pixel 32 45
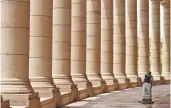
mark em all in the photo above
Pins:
pixel 128 98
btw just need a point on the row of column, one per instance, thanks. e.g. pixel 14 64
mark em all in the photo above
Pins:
pixel 155 39
pixel 166 40
pixel 119 42
pixel 143 33
pixel 131 40
pixel 68 42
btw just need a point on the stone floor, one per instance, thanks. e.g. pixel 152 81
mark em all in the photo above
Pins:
pixel 128 98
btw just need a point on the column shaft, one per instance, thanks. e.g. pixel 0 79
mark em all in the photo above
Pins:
pixel 93 42
pixel 131 41
pixel 40 64
pixel 106 67
pixel 61 44
pixel 15 50
pixel 119 42
pixel 155 39
pixel 166 41
pixel 78 43
pixel 170 35
pixel 143 41
pixel 15 83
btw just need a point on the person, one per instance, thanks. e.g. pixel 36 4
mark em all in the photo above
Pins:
pixel 147 89
pixel 148 78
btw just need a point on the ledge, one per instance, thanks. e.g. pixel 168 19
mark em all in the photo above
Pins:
pixel 64 99
pixel 45 101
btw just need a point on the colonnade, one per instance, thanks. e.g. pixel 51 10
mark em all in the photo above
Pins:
pixel 75 45
pixel 143 33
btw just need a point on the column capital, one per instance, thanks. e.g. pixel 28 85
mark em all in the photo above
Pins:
pixel 165 3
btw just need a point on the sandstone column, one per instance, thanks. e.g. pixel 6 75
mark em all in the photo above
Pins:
pixel 170 37
pixel 40 64
pixel 15 83
pixel 93 42
pixel 61 45
pixel 155 40
pixel 143 41
pixel 107 44
pixel 131 41
pixel 78 44
pixel 119 42
pixel 166 41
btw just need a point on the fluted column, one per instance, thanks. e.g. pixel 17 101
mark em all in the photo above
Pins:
pixel 155 40
pixel 166 41
pixel 15 83
pixel 61 45
pixel 78 44
pixel 131 41
pixel 93 42
pixel 40 62
pixel 143 41
pixel 119 42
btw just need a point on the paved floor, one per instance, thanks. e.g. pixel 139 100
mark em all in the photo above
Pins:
pixel 128 98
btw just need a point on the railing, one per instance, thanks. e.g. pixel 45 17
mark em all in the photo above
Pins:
pixel 56 101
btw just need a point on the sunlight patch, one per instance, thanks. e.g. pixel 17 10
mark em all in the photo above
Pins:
pixel 76 104
pixel 91 98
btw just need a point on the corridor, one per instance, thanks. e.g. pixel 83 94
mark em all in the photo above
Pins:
pixel 127 98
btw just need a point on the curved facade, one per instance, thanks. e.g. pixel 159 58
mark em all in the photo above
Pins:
pixel 67 50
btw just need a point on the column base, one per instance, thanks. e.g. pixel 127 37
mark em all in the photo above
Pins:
pixel 45 92
pixel 134 82
pixel 110 85
pixel 80 80
pixel 66 85
pixel 4 103
pixel 97 83
pixel 69 88
pixel 90 89
pixel 68 94
pixel 43 87
pixel 97 87
pixel 166 77
pixel 81 85
pixel 15 86
pixel 83 91
pixel 123 83
pixel 30 100
pixel 157 80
